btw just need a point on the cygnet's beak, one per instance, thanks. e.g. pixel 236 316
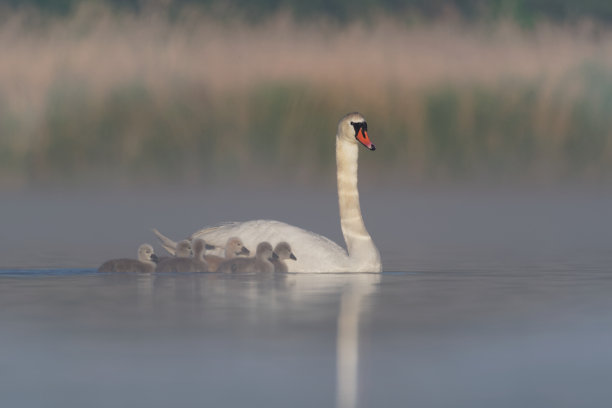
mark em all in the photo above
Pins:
pixel 274 255
pixel 243 251
pixel 154 258
pixel 209 246
pixel 293 257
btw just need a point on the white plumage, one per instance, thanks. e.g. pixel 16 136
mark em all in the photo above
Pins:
pixel 314 252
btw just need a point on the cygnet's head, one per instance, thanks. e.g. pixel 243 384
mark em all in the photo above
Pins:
pixel 235 247
pixel 264 250
pixel 183 249
pixel 146 254
pixel 199 246
pixel 283 251
pixel 354 128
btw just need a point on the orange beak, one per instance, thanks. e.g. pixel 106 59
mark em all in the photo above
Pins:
pixel 362 137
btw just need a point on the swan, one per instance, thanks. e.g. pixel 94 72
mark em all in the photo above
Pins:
pixel 318 253
pixel 259 264
pixel 145 263
pixel 282 251
pixel 180 264
pixel 233 248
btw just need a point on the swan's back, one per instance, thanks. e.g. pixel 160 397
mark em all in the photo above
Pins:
pixel 316 253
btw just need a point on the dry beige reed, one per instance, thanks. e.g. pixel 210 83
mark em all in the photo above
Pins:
pixel 220 68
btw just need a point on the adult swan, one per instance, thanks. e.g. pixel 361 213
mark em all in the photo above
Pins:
pixel 316 253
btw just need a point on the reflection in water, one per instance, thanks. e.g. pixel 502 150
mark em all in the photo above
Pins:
pixel 298 340
pixel 144 290
pixel 261 291
pixel 347 350
pixel 347 343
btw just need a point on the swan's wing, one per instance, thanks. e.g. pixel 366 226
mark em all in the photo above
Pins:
pixel 315 253
pixel 168 244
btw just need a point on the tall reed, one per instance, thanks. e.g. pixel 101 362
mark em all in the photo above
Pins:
pixel 128 98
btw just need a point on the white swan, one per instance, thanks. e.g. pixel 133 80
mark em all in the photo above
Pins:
pixel 318 253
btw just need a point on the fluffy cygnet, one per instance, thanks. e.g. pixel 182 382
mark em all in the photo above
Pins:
pixel 233 248
pixel 258 264
pixel 145 263
pixel 195 264
pixel 282 251
pixel 183 250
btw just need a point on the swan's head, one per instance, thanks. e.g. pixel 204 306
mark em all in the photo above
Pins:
pixel 264 250
pixel 283 251
pixel 146 254
pixel 183 249
pixel 354 128
pixel 235 247
pixel 199 246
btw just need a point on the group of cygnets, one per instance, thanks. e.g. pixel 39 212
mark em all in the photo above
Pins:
pixel 192 257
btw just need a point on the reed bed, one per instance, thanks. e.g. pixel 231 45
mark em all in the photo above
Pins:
pixel 141 98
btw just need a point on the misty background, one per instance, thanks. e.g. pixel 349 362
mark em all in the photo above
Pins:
pixel 491 120
pixel 188 92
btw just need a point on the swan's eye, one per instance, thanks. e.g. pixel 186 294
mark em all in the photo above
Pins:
pixel 359 125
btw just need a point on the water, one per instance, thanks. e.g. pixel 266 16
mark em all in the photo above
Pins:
pixel 489 299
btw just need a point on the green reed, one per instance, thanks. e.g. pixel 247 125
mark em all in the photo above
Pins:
pixel 509 130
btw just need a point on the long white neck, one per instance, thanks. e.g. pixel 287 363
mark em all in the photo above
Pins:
pixel 359 244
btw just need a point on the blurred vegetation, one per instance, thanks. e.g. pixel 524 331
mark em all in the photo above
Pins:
pixel 133 100
pixel 463 132
pixel 525 12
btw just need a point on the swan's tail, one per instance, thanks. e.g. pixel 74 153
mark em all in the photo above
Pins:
pixel 168 244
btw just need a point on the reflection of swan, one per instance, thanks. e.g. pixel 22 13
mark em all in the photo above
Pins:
pixel 318 253
pixel 347 349
pixel 276 298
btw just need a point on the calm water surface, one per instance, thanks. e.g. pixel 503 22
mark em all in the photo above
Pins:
pixel 489 299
